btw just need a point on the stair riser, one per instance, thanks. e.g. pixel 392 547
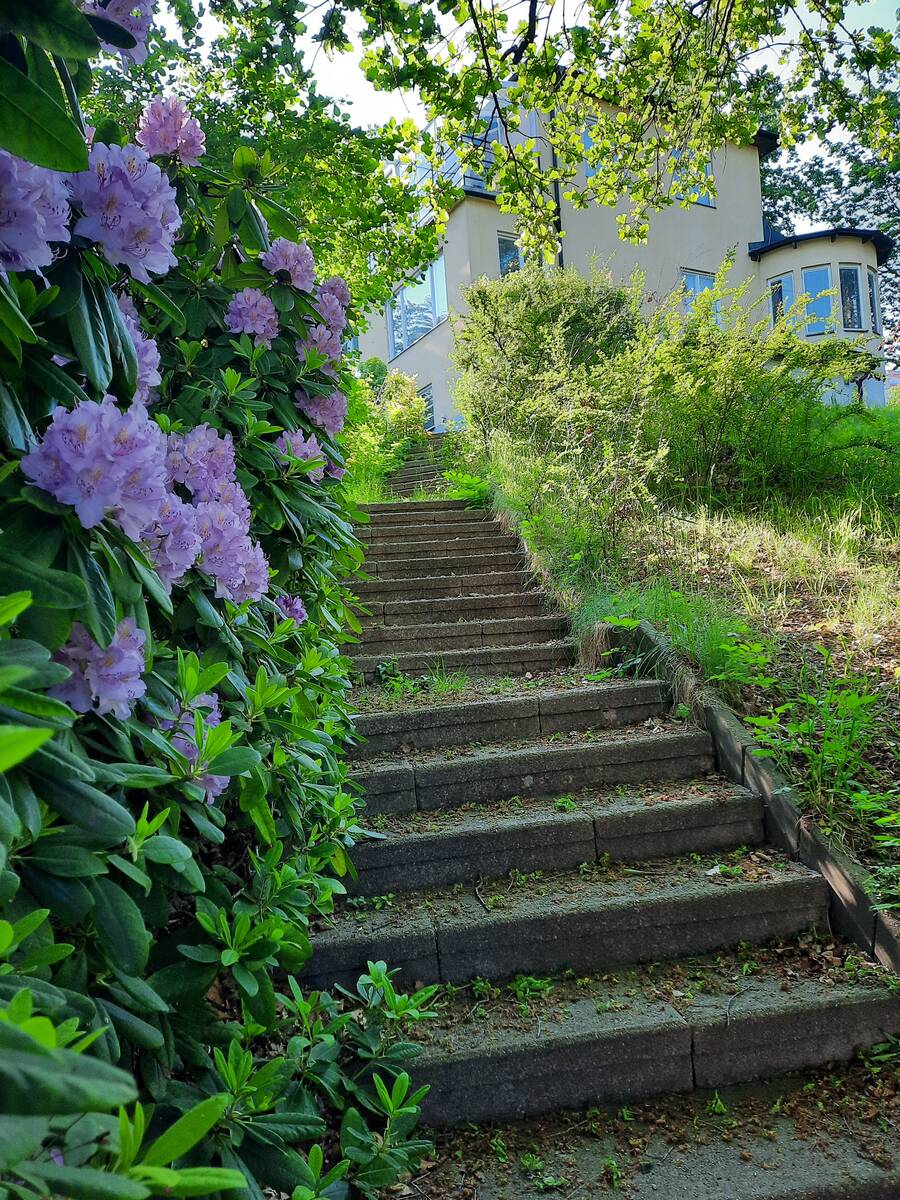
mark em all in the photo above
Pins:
pixel 538 1074
pixel 404 788
pixel 378 552
pixel 376 535
pixel 558 843
pixel 416 474
pixel 413 489
pixel 587 934
pixel 424 506
pixel 451 610
pixel 450 637
pixel 440 566
pixel 497 660
pixel 413 513
pixel 485 583
pixel 507 720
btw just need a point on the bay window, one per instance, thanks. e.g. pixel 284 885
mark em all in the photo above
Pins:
pixel 851 297
pixel 781 295
pixel 818 307
pixel 417 308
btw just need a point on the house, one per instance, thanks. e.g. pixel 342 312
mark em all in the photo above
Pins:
pixel 685 247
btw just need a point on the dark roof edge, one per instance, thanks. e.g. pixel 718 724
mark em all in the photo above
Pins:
pixel 766 142
pixel 884 245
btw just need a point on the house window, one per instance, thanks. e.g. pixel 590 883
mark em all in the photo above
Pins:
pixel 426 394
pixel 851 297
pixel 417 308
pixel 587 141
pixel 781 295
pixel 818 308
pixel 704 198
pixel 510 254
pixel 696 282
pixel 874 301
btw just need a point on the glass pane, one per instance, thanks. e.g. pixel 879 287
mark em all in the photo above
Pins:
pixel 851 299
pixel 873 302
pixel 395 326
pixel 777 298
pixel 815 280
pixel 417 306
pixel 587 141
pixel 509 253
pixel 440 289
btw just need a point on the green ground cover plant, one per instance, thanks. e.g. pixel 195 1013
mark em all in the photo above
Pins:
pixel 387 420
pixel 683 467
pixel 175 539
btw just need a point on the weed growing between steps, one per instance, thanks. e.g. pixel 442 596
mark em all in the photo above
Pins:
pixel 663 470
pixel 399 692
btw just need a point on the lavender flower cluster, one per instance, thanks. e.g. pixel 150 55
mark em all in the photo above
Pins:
pixel 135 16
pixel 103 680
pixel 104 462
pixel 147 351
pixel 293 607
pixel 328 412
pixel 295 445
pixel 251 311
pixel 294 259
pixel 128 208
pixel 168 130
pixel 185 739
pixel 332 299
pixel 34 211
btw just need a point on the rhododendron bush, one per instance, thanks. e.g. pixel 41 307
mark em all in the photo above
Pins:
pixel 173 541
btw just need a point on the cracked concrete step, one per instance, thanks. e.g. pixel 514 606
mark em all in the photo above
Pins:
pixel 438 565
pixel 525 659
pixel 418 587
pixel 495 773
pixel 442 546
pixel 567 922
pixel 586 1055
pixel 428 850
pixel 388 640
pixel 451 609
pixel 536 714
pixel 375 535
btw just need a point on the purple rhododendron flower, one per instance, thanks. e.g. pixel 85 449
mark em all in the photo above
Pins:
pixel 295 258
pixel 331 311
pixel 293 607
pixel 173 542
pixel 185 740
pixel 237 564
pixel 34 211
pixel 104 462
pixel 328 412
pixel 306 449
pixel 167 128
pixel 147 353
pixel 203 460
pixel 321 340
pixel 333 471
pixel 134 15
pixel 129 209
pixel 337 287
pixel 250 311
pixel 254 582
pixel 103 680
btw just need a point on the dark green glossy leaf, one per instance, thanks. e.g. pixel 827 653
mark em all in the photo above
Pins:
pixel 33 125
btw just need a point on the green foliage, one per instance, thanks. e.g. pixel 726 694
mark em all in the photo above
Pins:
pixel 387 418
pixel 145 918
pixel 471 488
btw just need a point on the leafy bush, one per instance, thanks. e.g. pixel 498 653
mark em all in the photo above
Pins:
pixel 386 418
pixel 173 809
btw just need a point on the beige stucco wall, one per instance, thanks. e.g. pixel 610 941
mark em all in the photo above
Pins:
pixel 692 238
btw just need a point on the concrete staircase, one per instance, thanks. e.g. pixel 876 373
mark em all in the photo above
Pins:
pixel 421 471
pixel 570 833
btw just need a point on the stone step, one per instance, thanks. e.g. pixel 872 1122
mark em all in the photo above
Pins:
pixel 416 506
pixel 450 609
pixel 427 471
pixel 491 544
pixel 438 587
pixel 497 772
pixel 423 531
pixel 804 1137
pixel 446 564
pixel 530 658
pixel 388 640
pixel 536 714
pixel 428 850
pixel 615 1044
pixel 568 922
pixel 411 513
